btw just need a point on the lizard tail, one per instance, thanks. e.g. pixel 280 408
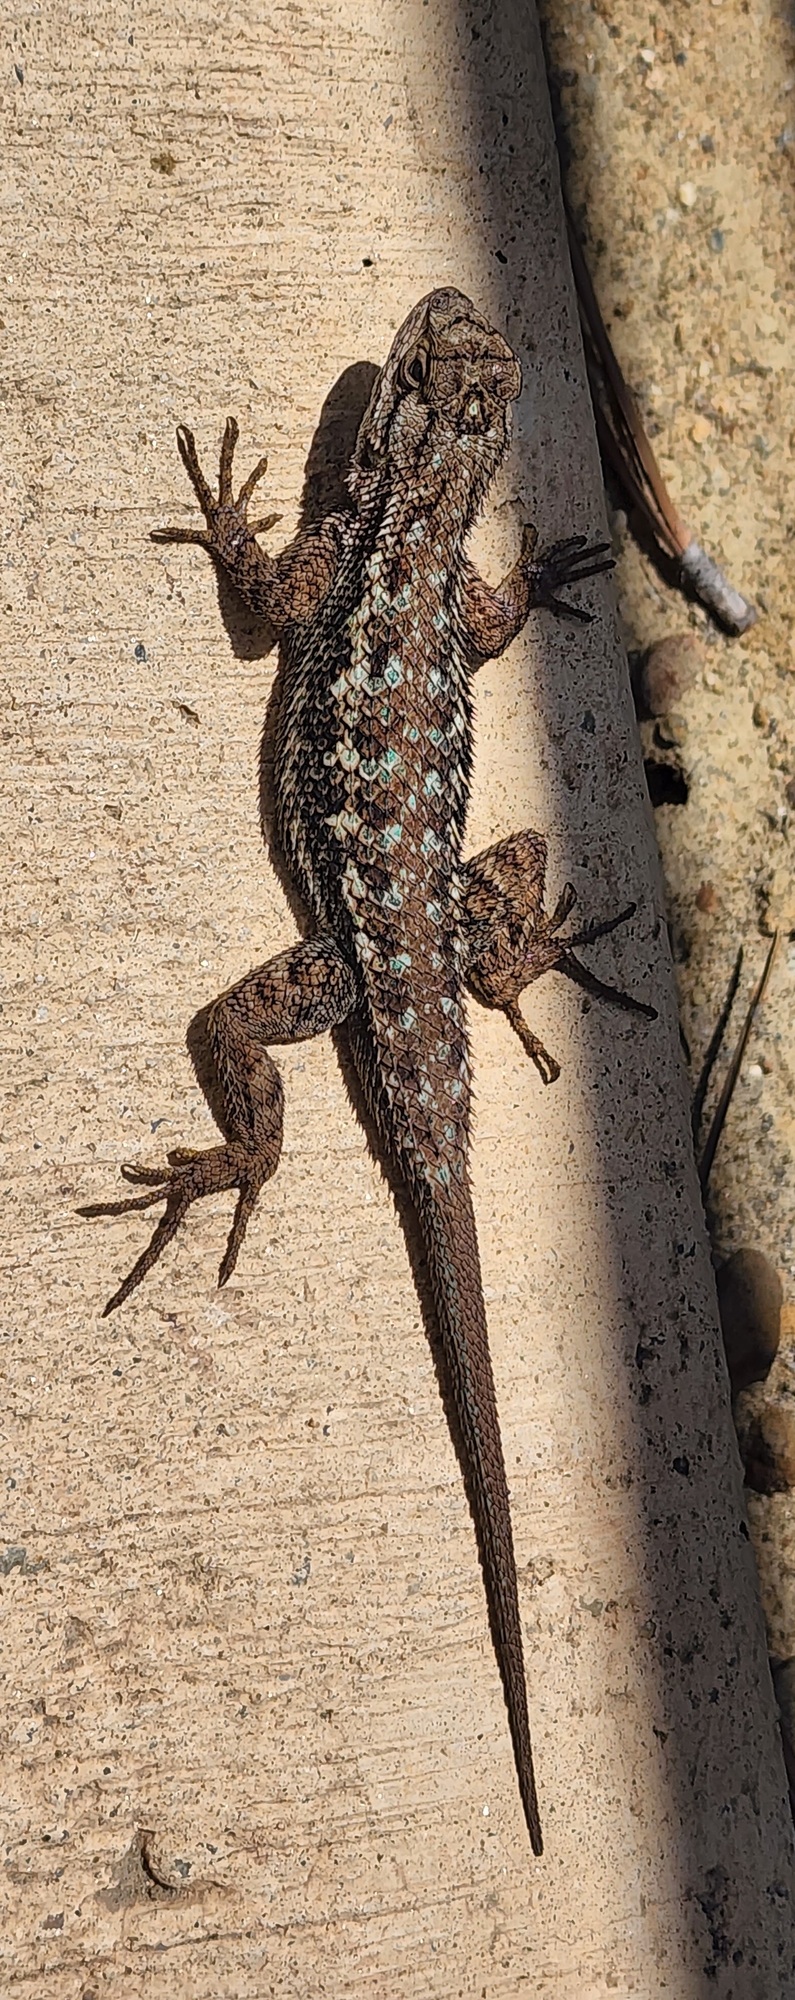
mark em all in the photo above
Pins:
pixel 448 1229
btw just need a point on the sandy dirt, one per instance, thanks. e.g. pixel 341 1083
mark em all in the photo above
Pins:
pixel 678 129
pixel 681 144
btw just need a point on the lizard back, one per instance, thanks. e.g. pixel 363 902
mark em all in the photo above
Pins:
pixel 374 747
pixel 373 773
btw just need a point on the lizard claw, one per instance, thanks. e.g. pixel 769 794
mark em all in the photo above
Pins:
pixel 226 517
pixel 565 563
pixel 188 1176
pixel 186 446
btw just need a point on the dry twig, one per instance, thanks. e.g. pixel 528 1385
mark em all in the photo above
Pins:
pixel 625 448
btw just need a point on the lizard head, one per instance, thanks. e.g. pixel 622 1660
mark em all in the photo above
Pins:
pixel 439 412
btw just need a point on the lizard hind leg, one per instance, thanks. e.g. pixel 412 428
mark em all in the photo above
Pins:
pixel 511 941
pixel 308 988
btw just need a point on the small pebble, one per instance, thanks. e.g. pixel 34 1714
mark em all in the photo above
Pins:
pixel 675 726
pixel 618 530
pixel 766 1437
pixel 666 672
pixel 749 1302
pixel 687 194
pixel 707 899
pixel 789 792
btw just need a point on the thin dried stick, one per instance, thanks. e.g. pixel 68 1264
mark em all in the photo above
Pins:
pixel 722 1106
pixel 713 1050
pixel 624 444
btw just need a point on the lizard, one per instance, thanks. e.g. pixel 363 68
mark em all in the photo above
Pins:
pixel 383 619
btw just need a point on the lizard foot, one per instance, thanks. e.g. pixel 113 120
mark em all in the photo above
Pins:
pixel 560 566
pixel 562 956
pixel 227 518
pixel 499 977
pixel 188 1176
pixel 550 952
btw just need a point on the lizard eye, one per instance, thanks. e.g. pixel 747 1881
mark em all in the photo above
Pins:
pixel 414 371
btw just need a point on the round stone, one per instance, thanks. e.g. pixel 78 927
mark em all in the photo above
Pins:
pixel 749 1300
pixel 666 672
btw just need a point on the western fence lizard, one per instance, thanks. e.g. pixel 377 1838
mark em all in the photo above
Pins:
pixel 383 618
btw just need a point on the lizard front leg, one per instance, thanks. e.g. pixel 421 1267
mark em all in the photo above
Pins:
pixel 510 940
pixel 493 615
pixel 308 988
pixel 286 588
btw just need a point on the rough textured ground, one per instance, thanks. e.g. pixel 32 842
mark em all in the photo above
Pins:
pixel 679 137
pixel 682 139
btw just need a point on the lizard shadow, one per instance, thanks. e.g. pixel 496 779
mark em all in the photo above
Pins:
pixel 324 491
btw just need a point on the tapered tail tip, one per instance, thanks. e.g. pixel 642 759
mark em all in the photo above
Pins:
pixel 532 1815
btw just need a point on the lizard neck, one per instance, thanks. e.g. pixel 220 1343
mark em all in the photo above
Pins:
pixel 443 489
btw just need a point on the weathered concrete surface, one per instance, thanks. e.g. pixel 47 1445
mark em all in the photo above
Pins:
pixel 254 1740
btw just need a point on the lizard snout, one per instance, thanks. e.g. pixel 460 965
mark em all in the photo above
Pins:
pixel 504 376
